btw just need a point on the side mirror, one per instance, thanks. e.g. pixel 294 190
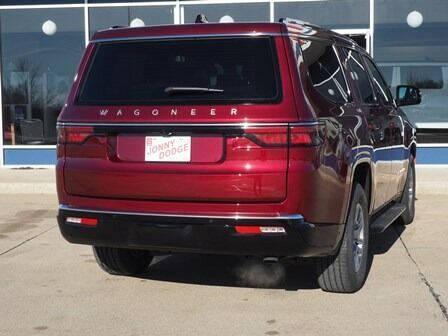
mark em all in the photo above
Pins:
pixel 408 95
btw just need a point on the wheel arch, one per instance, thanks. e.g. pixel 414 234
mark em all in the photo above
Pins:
pixel 362 173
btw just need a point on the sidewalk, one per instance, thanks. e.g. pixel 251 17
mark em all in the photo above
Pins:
pixel 430 180
pixel 27 181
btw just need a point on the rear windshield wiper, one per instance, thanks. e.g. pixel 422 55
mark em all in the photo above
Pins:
pixel 191 89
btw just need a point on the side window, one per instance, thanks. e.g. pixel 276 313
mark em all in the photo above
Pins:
pixel 379 83
pixel 325 71
pixel 360 76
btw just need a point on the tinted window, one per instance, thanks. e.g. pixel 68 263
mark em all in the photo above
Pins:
pixel 237 69
pixel 423 77
pixel 360 76
pixel 379 83
pixel 325 70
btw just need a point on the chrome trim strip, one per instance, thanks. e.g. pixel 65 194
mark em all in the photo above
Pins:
pixel 193 36
pixel 244 125
pixel 235 217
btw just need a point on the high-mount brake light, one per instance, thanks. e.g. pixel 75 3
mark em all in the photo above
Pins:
pixel 74 135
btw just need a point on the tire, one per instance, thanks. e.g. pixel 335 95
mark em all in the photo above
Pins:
pixel 118 261
pixel 347 271
pixel 408 197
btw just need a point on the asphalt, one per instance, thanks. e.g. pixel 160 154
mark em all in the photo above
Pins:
pixel 50 287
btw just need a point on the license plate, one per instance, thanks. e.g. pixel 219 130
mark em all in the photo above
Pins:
pixel 168 149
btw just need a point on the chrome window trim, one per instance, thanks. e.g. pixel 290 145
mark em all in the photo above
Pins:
pixel 234 217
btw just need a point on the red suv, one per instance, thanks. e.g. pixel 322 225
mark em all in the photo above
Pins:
pixel 262 139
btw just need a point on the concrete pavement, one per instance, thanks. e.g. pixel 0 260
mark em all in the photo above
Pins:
pixel 50 287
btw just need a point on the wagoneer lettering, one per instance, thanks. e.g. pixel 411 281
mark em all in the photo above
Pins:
pixel 251 139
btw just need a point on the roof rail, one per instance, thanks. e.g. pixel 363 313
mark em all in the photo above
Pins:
pixel 297 21
pixel 116 27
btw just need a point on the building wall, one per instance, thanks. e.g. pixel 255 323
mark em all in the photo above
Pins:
pixel 42 41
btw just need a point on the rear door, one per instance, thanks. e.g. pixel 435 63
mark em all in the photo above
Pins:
pixel 181 120
pixel 397 152
pixel 378 125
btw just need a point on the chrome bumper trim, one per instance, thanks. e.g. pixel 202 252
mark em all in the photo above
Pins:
pixel 235 217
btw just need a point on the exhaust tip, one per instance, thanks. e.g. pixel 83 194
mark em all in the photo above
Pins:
pixel 270 260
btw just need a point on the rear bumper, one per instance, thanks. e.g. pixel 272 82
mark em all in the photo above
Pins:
pixel 201 234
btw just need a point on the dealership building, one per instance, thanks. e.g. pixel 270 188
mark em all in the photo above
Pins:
pixel 41 43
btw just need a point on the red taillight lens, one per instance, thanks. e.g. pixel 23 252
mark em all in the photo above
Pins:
pixel 246 229
pixel 282 136
pixel 74 135
pixel 304 136
pixel 254 229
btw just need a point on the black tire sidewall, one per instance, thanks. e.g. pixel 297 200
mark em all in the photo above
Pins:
pixel 358 278
pixel 118 261
pixel 409 214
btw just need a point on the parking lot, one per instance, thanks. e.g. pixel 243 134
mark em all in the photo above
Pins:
pixel 50 287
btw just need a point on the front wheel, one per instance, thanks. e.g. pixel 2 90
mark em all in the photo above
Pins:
pixel 119 261
pixel 347 271
pixel 408 197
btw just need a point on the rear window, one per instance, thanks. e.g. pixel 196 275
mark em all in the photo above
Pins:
pixel 182 71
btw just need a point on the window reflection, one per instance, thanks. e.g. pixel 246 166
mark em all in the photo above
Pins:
pixel 423 77
pixel 358 72
pixel 412 48
pixel 238 12
pixel 330 14
pixel 39 60
pixel 106 17
pixel 324 70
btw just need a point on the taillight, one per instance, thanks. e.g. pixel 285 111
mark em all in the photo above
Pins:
pixel 304 136
pixel 282 136
pixel 268 136
pixel 74 135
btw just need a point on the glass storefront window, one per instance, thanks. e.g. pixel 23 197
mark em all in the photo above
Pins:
pixel 106 17
pixel 39 2
pixel 333 14
pixel 411 46
pixel 235 12
pixel 113 1
pixel 40 50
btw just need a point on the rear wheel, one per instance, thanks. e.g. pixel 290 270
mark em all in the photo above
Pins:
pixel 122 261
pixel 408 197
pixel 347 271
